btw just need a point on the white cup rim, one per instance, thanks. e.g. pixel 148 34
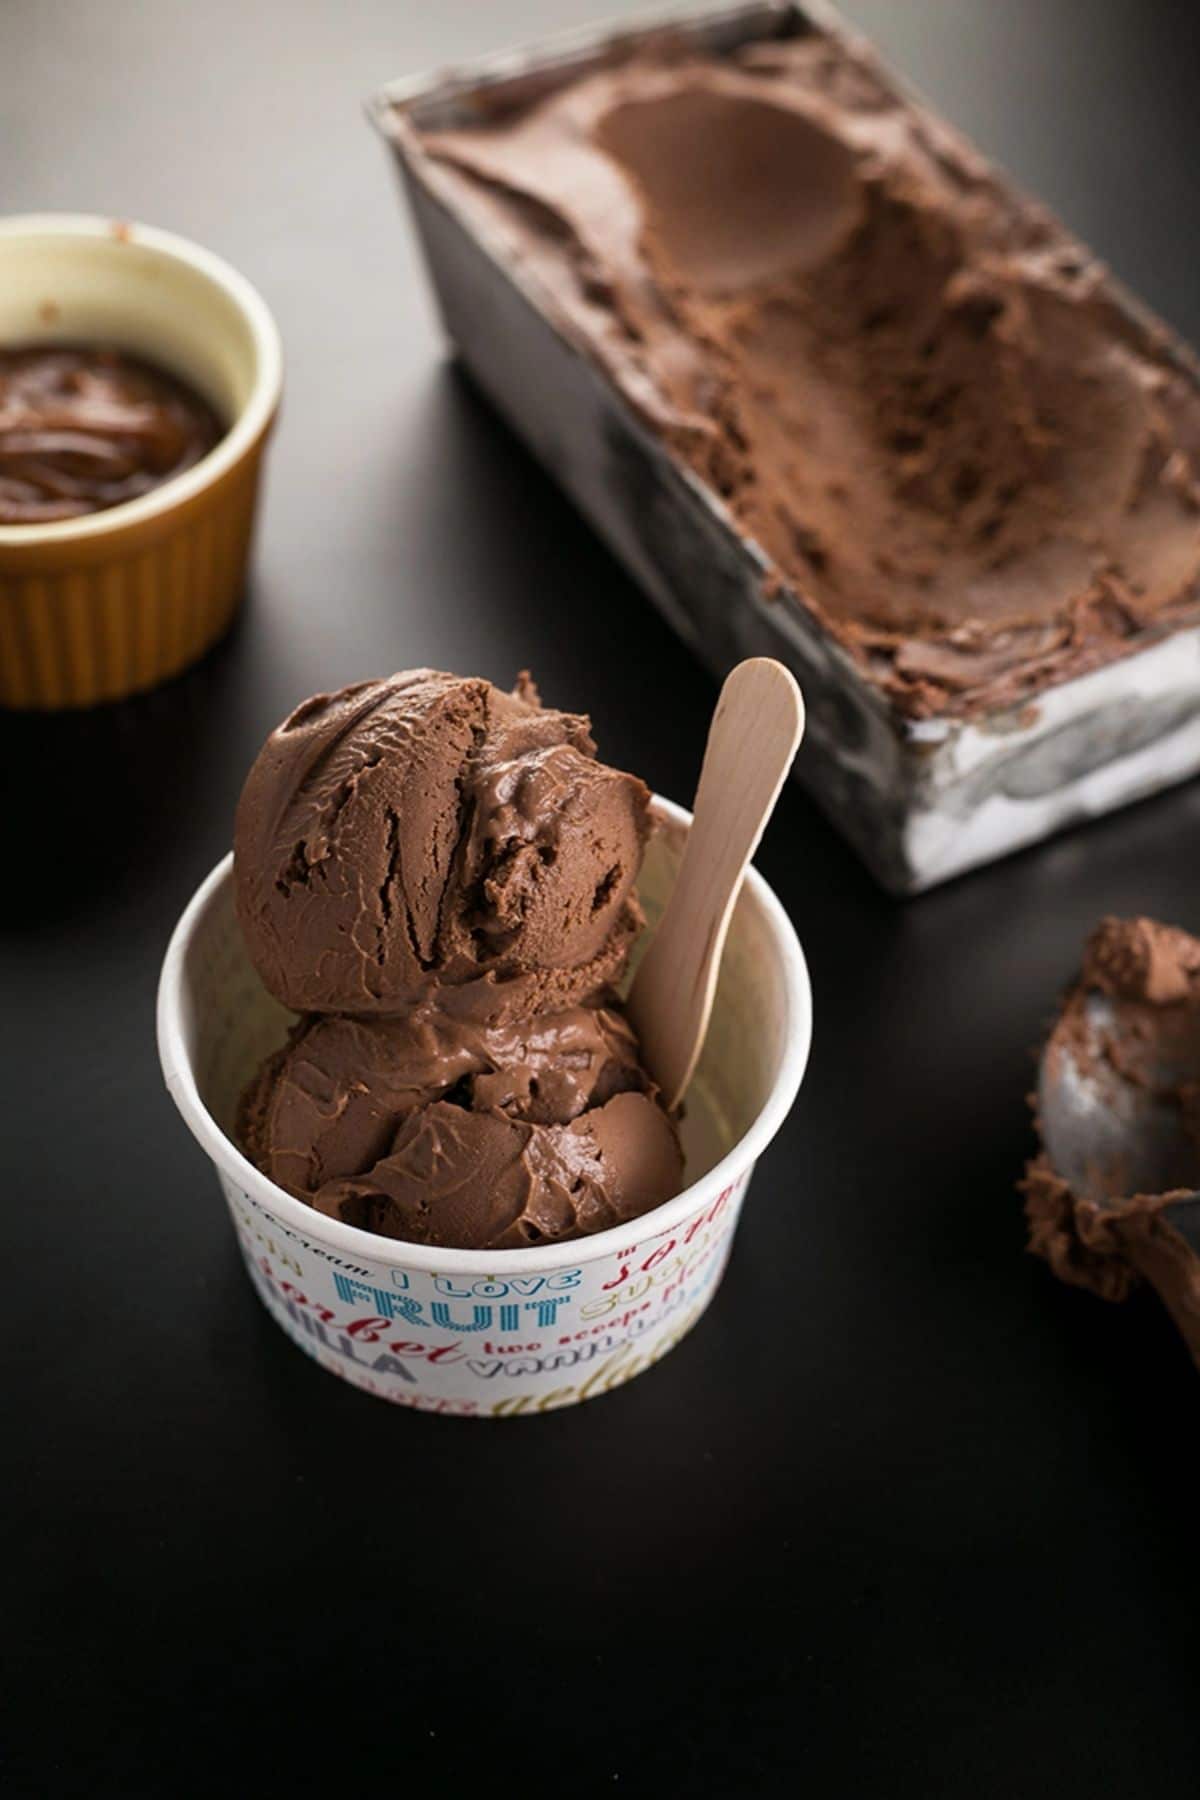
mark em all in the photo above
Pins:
pixel 251 421
pixel 352 1241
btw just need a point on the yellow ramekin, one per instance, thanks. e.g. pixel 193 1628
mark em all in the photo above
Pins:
pixel 98 607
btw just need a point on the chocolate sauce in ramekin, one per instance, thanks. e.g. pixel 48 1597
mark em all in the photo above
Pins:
pixel 84 428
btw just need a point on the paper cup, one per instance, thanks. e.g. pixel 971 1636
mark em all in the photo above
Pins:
pixel 494 1333
pixel 98 607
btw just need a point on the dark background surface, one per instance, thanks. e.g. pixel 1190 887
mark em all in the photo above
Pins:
pixel 902 1516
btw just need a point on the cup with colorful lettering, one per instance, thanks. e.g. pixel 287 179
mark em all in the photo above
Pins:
pixel 493 1334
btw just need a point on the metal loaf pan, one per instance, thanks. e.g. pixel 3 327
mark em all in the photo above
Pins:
pixel 921 800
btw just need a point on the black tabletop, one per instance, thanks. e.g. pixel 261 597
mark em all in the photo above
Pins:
pixel 902 1516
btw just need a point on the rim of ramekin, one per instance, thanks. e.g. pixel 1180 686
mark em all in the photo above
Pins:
pixel 350 1239
pixel 252 420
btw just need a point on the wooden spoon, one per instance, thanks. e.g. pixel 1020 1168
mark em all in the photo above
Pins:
pixel 755 731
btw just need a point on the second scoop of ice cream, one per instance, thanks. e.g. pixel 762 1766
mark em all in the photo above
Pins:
pixel 444 1132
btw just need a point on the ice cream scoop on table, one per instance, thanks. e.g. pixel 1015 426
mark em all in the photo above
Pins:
pixel 1112 1197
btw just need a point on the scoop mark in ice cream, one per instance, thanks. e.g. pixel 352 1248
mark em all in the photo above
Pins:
pixel 775 195
pixel 439 876
pixel 910 386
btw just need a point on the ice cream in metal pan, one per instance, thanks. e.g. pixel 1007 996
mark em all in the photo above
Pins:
pixel 836 392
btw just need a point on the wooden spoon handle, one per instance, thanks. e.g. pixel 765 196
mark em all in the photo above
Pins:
pixel 756 729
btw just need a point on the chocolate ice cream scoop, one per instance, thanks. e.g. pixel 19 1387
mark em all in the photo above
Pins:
pixel 432 1129
pixel 428 830
pixel 1112 1198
